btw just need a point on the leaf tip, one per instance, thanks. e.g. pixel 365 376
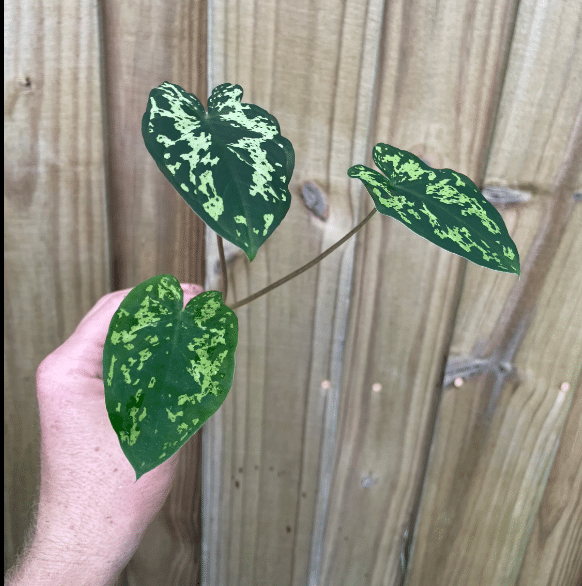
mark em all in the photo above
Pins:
pixel 251 254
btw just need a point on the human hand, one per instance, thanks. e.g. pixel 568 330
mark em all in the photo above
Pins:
pixel 91 510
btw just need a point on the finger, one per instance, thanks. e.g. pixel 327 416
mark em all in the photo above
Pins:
pixel 84 348
pixel 190 291
pixel 100 304
pixel 82 352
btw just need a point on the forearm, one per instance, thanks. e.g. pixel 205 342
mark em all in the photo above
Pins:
pixel 85 530
pixel 69 548
pixel 67 560
pixel 41 569
pixel 44 565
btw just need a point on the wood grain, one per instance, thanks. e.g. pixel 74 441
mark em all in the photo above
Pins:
pixel 303 62
pixel 553 553
pixel 497 434
pixel 338 458
pixel 440 73
pixel 153 230
pixel 56 250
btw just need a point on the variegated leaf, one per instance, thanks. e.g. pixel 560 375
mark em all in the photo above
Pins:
pixel 231 165
pixel 166 369
pixel 440 205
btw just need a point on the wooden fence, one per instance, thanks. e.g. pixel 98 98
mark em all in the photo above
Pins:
pixel 398 416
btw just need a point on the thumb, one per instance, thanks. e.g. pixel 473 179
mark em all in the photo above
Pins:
pixel 190 291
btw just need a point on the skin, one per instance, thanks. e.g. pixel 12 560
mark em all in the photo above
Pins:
pixel 92 514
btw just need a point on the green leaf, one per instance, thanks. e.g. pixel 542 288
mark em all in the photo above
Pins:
pixel 166 369
pixel 231 165
pixel 441 205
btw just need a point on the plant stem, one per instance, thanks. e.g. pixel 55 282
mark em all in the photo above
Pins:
pixel 304 267
pixel 222 268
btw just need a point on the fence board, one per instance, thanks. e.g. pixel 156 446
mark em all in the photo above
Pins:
pixel 304 63
pixel 153 230
pixel 553 555
pixel 439 81
pixel 55 247
pixel 314 467
pixel 497 434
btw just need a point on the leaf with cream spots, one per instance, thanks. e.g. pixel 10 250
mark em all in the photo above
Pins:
pixel 166 369
pixel 230 164
pixel 441 205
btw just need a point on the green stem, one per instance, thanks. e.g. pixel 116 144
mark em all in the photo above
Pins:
pixel 222 268
pixel 304 267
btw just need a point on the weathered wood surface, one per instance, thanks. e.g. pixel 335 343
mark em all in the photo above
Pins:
pixel 79 174
pixel 439 98
pixel 153 230
pixel 497 434
pixel 439 80
pixel 316 470
pixel 56 252
pixel 304 63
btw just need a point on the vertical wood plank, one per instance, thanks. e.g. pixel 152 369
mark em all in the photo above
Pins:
pixel 554 552
pixel 339 370
pixel 153 229
pixel 56 251
pixel 440 74
pixel 498 433
pixel 304 63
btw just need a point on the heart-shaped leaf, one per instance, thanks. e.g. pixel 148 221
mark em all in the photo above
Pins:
pixel 441 205
pixel 231 165
pixel 166 369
